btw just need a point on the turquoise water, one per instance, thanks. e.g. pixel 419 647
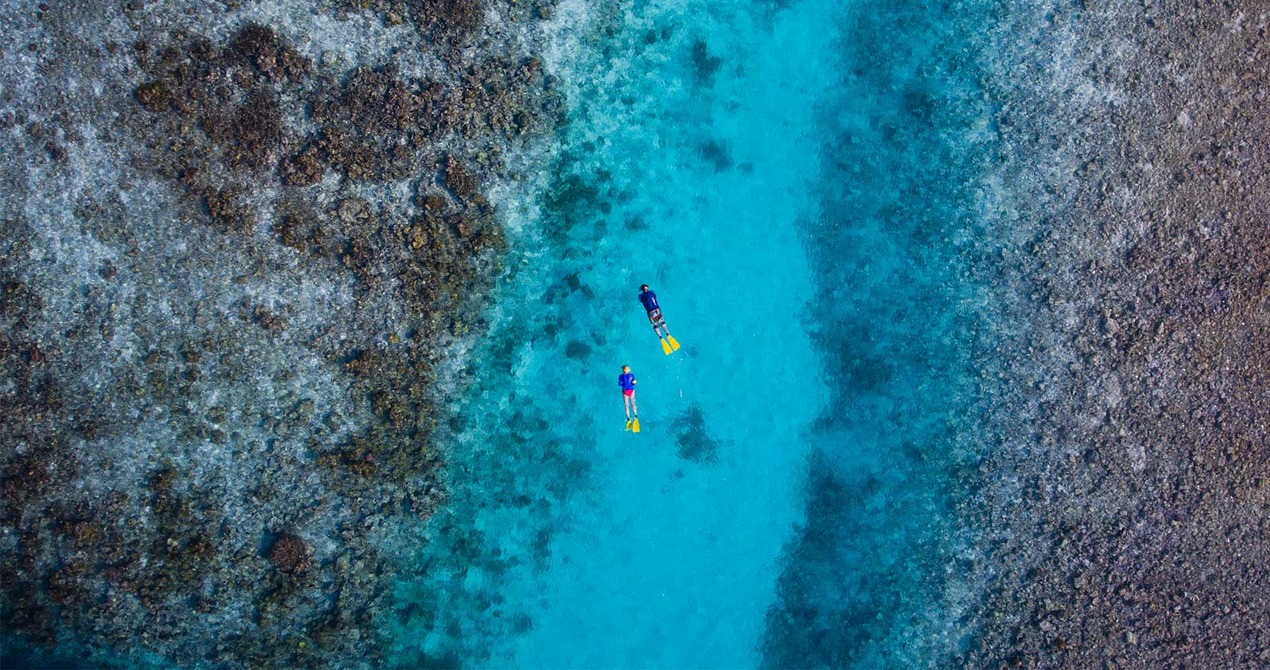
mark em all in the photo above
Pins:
pixel 791 179
pixel 883 571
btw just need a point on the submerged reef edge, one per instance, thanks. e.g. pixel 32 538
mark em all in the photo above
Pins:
pixel 1123 501
pixel 245 251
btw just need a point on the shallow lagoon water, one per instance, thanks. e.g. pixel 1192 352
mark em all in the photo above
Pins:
pixel 703 155
pixel 861 269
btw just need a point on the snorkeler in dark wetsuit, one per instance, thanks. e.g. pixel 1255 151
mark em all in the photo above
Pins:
pixel 649 300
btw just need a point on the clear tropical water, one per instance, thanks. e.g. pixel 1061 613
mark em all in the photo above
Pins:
pixel 790 177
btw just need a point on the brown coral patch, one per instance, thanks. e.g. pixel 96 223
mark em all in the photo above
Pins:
pixel 290 554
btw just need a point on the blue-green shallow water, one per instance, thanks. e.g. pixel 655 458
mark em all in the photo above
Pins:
pixel 883 572
pixel 791 179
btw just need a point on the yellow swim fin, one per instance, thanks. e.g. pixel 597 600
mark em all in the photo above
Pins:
pixel 665 346
pixel 628 425
pixel 674 344
pixel 635 425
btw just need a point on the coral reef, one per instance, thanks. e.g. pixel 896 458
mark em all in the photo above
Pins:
pixel 1125 508
pixel 245 260
pixel 289 554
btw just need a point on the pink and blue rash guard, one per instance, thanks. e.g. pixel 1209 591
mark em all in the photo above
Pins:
pixel 626 381
pixel 650 300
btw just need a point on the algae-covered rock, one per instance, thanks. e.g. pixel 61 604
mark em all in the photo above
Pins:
pixel 229 317
pixel 289 554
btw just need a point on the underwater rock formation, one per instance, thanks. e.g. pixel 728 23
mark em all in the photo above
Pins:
pixel 239 249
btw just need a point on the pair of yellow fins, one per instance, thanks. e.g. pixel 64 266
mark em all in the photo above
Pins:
pixel 633 425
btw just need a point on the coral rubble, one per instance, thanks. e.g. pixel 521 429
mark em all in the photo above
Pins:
pixel 240 250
